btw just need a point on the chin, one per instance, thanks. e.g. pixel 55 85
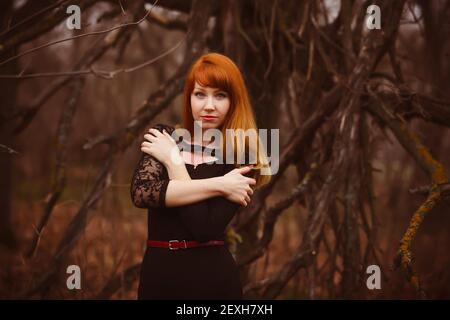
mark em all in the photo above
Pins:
pixel 209 125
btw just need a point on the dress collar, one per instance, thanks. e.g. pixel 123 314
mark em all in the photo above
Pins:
pixel 195 148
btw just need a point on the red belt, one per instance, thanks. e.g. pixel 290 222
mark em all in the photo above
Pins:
pixel 183 244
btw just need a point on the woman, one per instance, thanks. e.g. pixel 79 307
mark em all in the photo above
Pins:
pixel 190 195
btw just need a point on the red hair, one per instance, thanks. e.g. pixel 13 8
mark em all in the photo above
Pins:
pixel 218 71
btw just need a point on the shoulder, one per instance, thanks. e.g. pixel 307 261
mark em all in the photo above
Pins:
pixel 161 126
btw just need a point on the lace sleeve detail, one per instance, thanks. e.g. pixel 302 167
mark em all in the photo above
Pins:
pixel 150 180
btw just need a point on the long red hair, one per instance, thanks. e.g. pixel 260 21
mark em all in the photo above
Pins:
pixel 218 71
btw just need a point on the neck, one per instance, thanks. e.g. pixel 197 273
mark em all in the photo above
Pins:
pixel 200 141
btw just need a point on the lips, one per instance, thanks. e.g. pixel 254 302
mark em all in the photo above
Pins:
pixel 208 118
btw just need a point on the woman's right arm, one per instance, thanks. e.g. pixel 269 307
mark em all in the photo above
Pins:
pixel 153 186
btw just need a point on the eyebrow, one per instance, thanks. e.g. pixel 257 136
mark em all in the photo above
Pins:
pixel 215 90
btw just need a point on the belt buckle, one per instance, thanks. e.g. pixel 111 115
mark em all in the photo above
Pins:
pixel 176 241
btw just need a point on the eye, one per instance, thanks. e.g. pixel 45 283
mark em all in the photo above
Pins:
pixel 222 95
pixel 199 94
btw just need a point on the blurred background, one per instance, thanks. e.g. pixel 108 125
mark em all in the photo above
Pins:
pixel 363 117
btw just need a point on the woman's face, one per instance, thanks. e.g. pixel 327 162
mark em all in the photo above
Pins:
pixel 209 105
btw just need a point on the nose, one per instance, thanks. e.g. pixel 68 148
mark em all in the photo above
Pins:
pixel 209 103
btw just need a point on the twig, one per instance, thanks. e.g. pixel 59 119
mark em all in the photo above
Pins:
pixel 425 190
pixel 99 73
pixel 326 107
pixel 95 52
pixel 438 177
pixel 179 23
pixel 6 149
pixel 270 39
pixel 78 36
pixel 63 136
pixel 34 15
pixel 160 99
pixel 272 215
pixel 115 283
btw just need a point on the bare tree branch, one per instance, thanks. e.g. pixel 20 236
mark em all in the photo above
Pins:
pixel 169 23
pixel 438 177
pixel 124 279
pixel 272 214
pixel 6 149
pixel 99 73
pixel 200 13
pixel 94 33
pixel 49 20
pixel 59 182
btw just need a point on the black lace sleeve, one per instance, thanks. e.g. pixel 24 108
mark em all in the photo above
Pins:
pixel 150 179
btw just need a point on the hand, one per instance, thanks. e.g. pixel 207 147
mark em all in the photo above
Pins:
pixel 236 187
pixel 162 146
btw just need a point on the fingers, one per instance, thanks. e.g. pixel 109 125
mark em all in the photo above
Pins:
pixel 146 150
pixel 168 135
pixel 155 132
pixel 146 147
pixel 251 181
pixel 245 169
pixel 245 200
pixel 150 137
pixel 146 144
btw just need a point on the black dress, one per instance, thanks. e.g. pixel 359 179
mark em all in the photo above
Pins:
pixel 192 273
